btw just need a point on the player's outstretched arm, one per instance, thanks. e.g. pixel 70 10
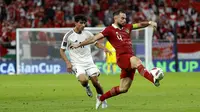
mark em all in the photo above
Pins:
pixel 144 24
pixel 90 40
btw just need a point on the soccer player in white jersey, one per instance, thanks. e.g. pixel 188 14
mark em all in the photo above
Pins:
pixel 81 62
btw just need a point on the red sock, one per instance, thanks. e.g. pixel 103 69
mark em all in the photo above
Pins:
pixel 144 72
pixel 113 92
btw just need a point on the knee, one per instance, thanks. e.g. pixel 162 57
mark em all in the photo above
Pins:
pixel 82 78
pixel 123 90
pixel 135 62
pixel 83 81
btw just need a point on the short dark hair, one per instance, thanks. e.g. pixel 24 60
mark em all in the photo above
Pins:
pixel 77 18
pixel 117 12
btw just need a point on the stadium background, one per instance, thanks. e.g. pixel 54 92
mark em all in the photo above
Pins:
pixel 177 19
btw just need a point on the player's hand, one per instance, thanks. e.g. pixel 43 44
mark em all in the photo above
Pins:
pixel 69 67
pixel 73 46
pixel 153 24
pixel 107 51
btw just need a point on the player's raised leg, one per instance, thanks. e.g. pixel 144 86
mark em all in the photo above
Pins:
pixel 83 79
pixel 137 63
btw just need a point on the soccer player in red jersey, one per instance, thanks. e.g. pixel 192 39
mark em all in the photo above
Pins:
pixel 118 34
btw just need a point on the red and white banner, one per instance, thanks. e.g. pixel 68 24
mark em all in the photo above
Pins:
pixel 189 51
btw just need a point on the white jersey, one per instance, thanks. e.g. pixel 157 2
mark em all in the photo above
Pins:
pixel 79 56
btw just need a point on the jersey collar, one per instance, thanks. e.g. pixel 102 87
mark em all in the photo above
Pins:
pixel 76 32
pixel 113 25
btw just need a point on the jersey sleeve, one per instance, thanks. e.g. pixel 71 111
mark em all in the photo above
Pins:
pixel 65 40
pixel 105 32
pixel 64 43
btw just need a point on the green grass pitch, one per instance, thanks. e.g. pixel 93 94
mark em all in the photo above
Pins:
pixel 179 92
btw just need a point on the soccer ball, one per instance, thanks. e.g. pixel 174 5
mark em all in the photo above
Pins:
pixel 157 73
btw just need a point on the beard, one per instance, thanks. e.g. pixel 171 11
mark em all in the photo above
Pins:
pixel 120 25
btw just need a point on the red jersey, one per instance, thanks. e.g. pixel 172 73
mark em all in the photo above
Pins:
pixel 119 38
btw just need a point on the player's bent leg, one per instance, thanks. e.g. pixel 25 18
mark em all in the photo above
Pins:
pixel 137 63
pixel 93 72
pixel 96 84
pixel 83 79
pixel 125 84
pixel 126 77
pixel 113 92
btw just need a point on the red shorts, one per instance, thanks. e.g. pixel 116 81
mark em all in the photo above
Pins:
pixel 123 61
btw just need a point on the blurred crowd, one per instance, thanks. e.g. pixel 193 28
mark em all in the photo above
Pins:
pixel 180 16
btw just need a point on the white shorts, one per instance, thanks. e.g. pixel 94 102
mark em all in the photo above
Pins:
pixel 90 70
